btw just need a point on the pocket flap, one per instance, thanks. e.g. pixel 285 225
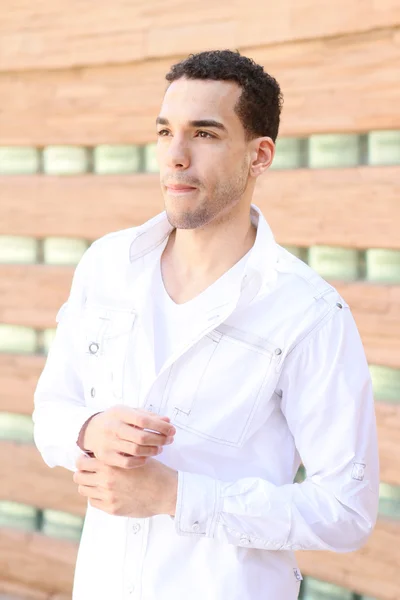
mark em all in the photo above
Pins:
pixel 107 322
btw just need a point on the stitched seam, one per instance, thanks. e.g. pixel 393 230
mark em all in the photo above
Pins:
pixel 245 338
pixel 257 400
pixel 195 398
pixel 258 349
pixel 167 390
pixel 302 343
pixel 150 248
pixel 320 293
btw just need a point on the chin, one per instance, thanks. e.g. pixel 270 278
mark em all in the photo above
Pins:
pixel 186 219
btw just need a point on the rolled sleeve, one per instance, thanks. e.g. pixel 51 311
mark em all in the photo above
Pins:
pixel 197 505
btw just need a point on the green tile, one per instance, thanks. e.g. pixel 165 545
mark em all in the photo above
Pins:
pixel 384 148
pixel 383 265
pixel 19 160
pixel 323 590
pixel 334 150
pixel 18 516
pixel 386 383
pixel 113 159
pixel 18 428
pixel 301 253
pixel 150 158
pixel 289 153
pixel 18 250
pixel 48 339
pixel 65 160
pixel 335 263
pixel 389 501
pixel 62 525
pixel 300 475
pixel 63 251
pixel 15 338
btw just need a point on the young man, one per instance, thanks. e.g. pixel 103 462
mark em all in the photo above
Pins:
pixel 198 336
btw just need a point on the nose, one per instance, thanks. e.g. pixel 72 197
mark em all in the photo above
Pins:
pixel 178 155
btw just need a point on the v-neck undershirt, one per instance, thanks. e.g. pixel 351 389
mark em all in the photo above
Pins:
pixel 173 322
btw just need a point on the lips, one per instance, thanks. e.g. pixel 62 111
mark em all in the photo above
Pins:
pixel 180 188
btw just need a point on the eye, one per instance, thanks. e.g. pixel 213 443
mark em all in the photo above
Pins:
pixel 205 135
pixel 163 132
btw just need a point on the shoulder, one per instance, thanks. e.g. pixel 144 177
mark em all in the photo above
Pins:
pixel 306 301
pixel 114 245
pixel 298 281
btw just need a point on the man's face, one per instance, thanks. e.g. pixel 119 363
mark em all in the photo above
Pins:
pixel 202 151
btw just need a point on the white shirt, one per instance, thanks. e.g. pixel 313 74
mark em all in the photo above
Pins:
pixel 173 322
pixel 275 373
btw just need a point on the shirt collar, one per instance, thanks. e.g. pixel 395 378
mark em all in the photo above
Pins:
pixel 261 264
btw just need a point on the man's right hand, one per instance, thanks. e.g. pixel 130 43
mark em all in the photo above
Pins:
pixel 118 438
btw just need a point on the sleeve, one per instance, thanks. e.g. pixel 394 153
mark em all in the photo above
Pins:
pixel 328 404
pixel 59 404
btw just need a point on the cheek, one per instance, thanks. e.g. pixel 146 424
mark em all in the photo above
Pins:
pixel 156 156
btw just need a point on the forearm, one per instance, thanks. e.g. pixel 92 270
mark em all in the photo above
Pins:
pixel 59 404
pixel 171 496
pixel 255 513
pixel 57 425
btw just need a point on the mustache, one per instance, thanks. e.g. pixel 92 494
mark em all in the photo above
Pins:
pixel 181 181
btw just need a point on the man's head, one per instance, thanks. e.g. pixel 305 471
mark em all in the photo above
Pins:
pixel 216 131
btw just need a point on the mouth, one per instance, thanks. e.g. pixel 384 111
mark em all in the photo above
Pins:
pixel 179 189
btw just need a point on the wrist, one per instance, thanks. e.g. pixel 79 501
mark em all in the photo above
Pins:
pixel 171 494
pixel 82 441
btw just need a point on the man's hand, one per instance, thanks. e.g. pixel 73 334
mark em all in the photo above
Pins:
pixel 145 492
pixel 118 436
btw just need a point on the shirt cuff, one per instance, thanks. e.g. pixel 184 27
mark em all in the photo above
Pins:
pixel 198 505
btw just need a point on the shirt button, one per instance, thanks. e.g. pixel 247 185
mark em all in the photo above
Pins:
pixel 245 540
pixel 196 526
pixel 93 348
pixel 93 392
pixel 278 351
pixel 136 528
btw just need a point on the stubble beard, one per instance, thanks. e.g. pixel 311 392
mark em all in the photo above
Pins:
pixel 211 208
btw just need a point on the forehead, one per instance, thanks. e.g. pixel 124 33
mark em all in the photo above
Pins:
pixel 193 99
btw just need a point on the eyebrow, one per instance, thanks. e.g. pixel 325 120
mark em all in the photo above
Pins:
pixel 198 123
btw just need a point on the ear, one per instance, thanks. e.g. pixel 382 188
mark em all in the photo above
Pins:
pixel 262 156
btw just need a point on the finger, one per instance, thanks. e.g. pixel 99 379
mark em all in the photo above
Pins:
pixel 89 492
pixel 97 503
pixel 85 478
pixel 114 459
pixel 140 436
pixel 145 420
pixel 86 463
pixel 132 449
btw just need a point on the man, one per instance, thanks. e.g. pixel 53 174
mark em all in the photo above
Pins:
pixel 197 363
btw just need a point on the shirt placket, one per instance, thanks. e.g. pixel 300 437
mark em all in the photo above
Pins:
pixel 136 543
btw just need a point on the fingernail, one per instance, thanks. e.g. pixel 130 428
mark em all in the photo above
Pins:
pixel 172 431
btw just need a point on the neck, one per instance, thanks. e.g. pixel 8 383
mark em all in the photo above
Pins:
pixel 206 253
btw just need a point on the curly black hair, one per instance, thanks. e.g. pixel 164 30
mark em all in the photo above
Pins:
pixel 259 106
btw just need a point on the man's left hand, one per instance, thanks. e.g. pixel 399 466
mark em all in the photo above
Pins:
pixel 146 491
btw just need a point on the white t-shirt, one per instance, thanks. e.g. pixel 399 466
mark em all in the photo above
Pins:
pixel 172 322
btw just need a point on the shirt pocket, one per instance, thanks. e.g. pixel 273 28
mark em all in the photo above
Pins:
pixel 106 334
pixel 215 388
